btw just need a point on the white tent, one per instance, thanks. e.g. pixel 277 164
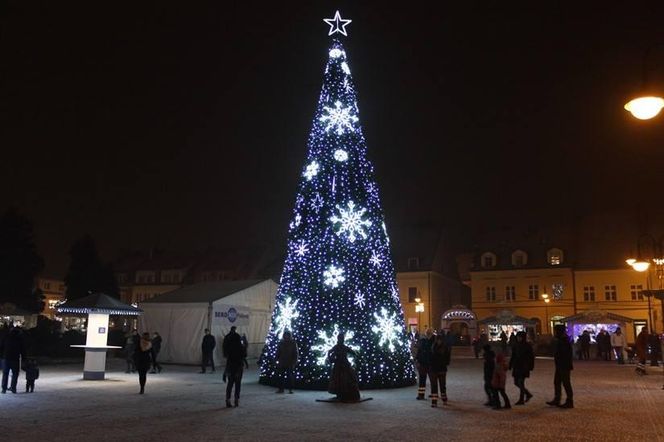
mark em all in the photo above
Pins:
pixel 182 315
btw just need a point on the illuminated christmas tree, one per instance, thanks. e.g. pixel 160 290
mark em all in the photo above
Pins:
pixel 338 274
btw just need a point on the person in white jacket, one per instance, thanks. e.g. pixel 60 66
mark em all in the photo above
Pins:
pixel 618 342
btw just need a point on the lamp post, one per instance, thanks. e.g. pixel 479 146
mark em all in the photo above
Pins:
pixel 546 299
pixel 649 103
pixel 646 259
pixel 419 308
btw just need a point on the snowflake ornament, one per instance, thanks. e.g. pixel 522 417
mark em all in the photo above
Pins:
pixel 333 276
pixel 359 300
pixel 317 202
pixel 287 313
pixel 375 259
pixel 340 155
pixel 387 328
pixel 325 344
pixel 339 118
pixel 301 248
pixel 350 222
pixel 311 170
pixel 345 68
pixel 336 53
pixel 296 222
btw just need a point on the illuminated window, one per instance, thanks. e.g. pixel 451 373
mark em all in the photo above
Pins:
pixel 491 294
pixel 636 290
pixel 412 294
pixel 533 291
pixel 554 257
pixel 488 260
pixel 510 293
pixel 519 258
pixel 610 293
pixel 589 293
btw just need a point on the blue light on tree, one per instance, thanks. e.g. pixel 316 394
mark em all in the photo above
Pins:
pixel 338 274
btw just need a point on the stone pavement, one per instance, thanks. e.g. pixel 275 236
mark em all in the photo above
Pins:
pixel 612 403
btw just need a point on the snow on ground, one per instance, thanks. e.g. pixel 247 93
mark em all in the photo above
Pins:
pixel 612 403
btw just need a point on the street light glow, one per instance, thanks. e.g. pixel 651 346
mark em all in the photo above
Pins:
pixel 630 262
pixel 641 266
pixel 645 108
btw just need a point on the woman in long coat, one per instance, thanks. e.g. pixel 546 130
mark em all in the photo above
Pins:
pixel 343 381
pixel 143 359
pixel 522 363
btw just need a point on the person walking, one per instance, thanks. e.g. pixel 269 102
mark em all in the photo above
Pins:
pixel 343 382
pixel 142 359
pixel 287 355
pixel 423 362
pixel 156 348
pixel 618 342
pixel 440 359
pixel 604 345
pixel 655 346
pixel 498 382
pixel 489 367
pixel 641 351
pixel 207 349
pixel 31 374
pixel 563 362
pixel 235 354
pixel 13 350
pixel 584 343
pixel 522 363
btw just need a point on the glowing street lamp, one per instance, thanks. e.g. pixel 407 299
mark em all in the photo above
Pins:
pixel 546 300
pixel 419 308
pixel 645 108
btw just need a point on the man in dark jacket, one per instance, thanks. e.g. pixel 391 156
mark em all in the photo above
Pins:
pixel 13 351
pixel 563 361
pixel 522 363
pixel 287 354
pixel 156 348
pixel 489 367
pixel 423 362
pixel 207 348
pixel 235 353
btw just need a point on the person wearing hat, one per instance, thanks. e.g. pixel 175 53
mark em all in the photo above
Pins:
pixel 563 362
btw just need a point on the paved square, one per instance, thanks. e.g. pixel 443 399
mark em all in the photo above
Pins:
pixel 612 403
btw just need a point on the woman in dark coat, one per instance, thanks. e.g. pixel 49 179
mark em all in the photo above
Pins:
pixel 440 359
pixel 143 359
pixel 343 382
pixel 522 363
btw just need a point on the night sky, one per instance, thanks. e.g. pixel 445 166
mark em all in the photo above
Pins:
pixel 182 126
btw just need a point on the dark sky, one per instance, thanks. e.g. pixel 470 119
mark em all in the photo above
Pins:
pixel 183 125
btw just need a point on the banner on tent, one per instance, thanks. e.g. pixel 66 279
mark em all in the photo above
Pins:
pixel 228 315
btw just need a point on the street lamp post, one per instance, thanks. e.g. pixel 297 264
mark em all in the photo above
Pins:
pixel 546 299
pixel 419 308
pixel 645 260
pixel 649 103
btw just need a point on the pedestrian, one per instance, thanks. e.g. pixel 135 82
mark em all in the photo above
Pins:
pixel 31 374
pixel 207 348
pixel 423 362
pixel 142 359
pixel 489 366
pixel 584 343
pixel 477 346
pixel 641 351
pixel 563 362
pixel 343 382
pixel 604 345
pixel 503 342
pixel 13 349
pixel 511 342
pixel 440 359
pixel 618 342
pixel 130 348
pixel 287 355
pixel 156 348
pixel 498 382
pixel 655 347
pixel 235 354
pixel 522 363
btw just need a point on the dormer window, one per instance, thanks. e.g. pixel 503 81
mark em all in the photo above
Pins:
pixel 413 263
pixel 519 258
pixel 488 260
pixel 554 257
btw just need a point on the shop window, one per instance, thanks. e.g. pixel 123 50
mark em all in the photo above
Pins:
pixel 412 294
pixel 589 293
pixel 488 260
pixel 491 294
pixel 554 257
pixel 557 291
pixel 610 293
pixel 533 292
pixel 510 293
pixel 636 291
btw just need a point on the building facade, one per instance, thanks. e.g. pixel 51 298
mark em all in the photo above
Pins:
pixel 53 290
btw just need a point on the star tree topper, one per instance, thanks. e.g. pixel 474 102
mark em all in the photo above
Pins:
pixel 337 24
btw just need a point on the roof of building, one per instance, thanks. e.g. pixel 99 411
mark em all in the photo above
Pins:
pixel 97 303
pixel 204 291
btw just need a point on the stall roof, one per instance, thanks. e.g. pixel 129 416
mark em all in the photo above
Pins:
pixel 506 320
pixel 204 292
pixel 97 303
pixel 594 316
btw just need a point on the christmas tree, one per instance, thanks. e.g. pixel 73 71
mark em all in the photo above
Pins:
pixel 338 275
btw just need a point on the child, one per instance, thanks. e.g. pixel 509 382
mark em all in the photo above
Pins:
pixel 489 365
pixel 31 374
pixel 498 382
